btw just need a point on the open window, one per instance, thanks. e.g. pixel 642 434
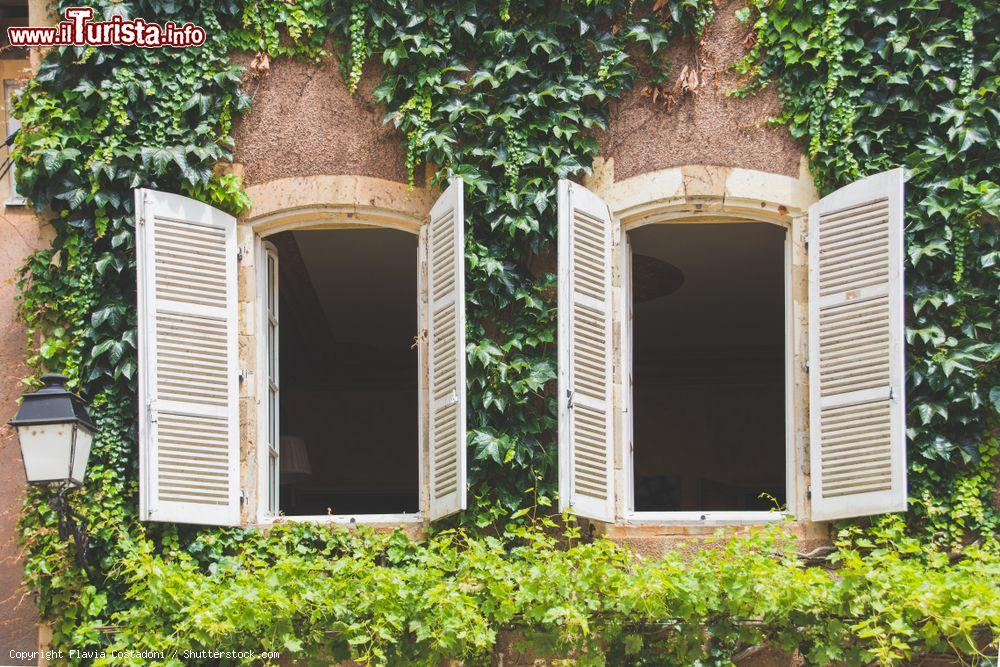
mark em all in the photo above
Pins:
pixel 352 318
pixel 10 90
pixel 360 373
pixel 707 341
pixel 347 369
pixel 697 383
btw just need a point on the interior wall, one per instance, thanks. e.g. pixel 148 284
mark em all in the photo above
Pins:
pixel 348 369
pixel 709 444
pixel 708 366
pixel 360 440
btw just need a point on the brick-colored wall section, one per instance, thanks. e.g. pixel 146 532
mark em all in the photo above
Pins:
pixel 19 236
pixel 511 653
pixel 508 654
pixel 707 126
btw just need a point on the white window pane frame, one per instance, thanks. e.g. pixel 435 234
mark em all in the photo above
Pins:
pixel 626 476
pixel 269 473
pixel 268 386
pixel 9 89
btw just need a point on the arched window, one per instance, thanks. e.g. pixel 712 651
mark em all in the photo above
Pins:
pixel 315 369
pixel 701 345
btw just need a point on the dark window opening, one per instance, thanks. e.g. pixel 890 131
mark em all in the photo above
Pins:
pixel 708 367
pixel 13 14
pixel 348 372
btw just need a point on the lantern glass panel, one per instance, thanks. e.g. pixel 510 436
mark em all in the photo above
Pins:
pixel 81 452
pixel 46 450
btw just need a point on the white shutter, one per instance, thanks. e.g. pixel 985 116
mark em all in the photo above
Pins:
pixel 586 463
pixel 857 416
pixel 188 367
pixel 446 351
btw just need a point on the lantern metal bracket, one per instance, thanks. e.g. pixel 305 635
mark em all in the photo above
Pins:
pixel 70 523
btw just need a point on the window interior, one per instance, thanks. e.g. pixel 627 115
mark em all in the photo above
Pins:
pixel 13 13
pixel 708 327
pixel 348 372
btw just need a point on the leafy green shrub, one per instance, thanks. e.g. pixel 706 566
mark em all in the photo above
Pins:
pixel 385 599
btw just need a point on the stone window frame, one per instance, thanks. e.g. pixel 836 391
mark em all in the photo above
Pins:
pixel 706 194
pixel 317 202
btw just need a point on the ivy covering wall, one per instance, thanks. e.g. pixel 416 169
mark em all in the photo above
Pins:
pixel 869 86
pixel 509 96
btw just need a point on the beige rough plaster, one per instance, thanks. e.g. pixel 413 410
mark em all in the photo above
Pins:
pixel 714 194
pixel 314 202
pixel 40 13
pixel 706 125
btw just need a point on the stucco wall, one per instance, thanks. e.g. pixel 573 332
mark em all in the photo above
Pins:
pixel 19 236
pixel 304 122
pixel 706 126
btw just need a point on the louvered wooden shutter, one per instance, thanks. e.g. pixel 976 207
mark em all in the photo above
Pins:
pixel 857 429
pixel 446 351
pixel 585 372
pixel 188 378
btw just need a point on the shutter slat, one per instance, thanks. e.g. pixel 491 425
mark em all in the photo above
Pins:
pixel 446 346
pixel 585 370
pixel 188 379
pixel 857 439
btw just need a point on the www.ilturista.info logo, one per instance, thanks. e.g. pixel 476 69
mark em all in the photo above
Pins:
pixel 79 30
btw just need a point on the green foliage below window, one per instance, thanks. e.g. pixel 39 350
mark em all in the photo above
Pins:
pixel 509 96
pixel 306 590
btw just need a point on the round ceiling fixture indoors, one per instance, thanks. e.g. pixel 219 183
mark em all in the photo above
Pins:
pixel 654 278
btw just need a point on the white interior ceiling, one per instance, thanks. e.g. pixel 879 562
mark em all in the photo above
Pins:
pixel 733 290
pixel 366 282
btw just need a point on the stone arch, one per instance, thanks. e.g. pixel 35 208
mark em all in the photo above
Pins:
pixel 703 192
pixel 319 202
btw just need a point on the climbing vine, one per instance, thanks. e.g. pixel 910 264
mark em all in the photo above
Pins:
pixel 880 84
pixel 510 97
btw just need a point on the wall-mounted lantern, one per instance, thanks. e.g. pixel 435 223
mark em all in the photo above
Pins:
pixel 56 435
